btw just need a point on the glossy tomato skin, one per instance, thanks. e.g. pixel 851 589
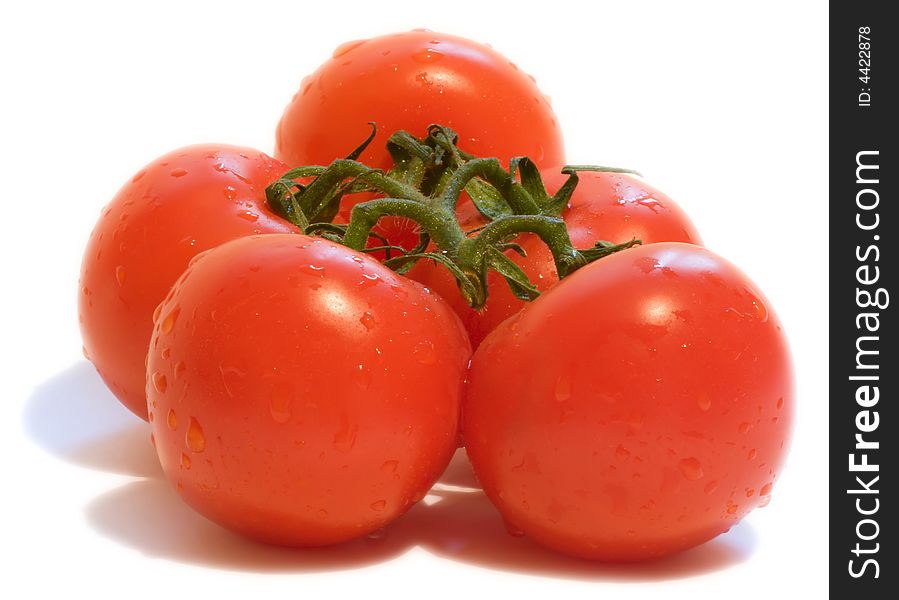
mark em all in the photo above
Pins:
pixel 409 81
pixel 301 393
pixel 639 408
pixel 605 206
pixel 180 204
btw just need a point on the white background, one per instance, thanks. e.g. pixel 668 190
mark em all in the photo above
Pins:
pixel 722 106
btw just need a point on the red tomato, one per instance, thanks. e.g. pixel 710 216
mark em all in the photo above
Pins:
pixel 409 81
pixel 301 393
pixel 180 204
pixel 605 206
pixel 639 408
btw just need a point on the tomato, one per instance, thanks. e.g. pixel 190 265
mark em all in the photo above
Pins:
pixel 302 393
pixel 605 206
pixel 639 408
pixel 409 81
pixel 178 205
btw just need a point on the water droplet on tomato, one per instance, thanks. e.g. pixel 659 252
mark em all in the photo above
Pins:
pixel 513 529
pixel 378 505
pixel 313 270
pixel 690 468
pixel 194 437
pixel 345 438
pixel 759 308
pixel 120 275
pixel 622 453
pixel 247 215
pixel 138 176
pixel 427 55
pixel 653 205
pixel 159 382
pixel 169 322
pixel 731 507
pixel 703 401
pixel 424 352
pixel 710 487
pixel 172 419
pixel 752 454
pixel 562 389
pixel 766 489
pixel 744 427
pixel 362 377
pixel 223 168
pixel 739 314
pixel 369 279
pixel 322 513
pixel 230 192
pixel 179 172
pixel 750 492
pixel 280 407
pixel 368 320
pixel 346 47
pixel 185 461
pixel 780 403
pixel 179 369
pixel 389 466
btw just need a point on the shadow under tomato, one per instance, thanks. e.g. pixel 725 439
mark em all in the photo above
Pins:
pixel 74 417
pixel 463 525
pixel 149 516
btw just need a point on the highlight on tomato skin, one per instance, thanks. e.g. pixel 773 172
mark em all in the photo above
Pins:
pixel 301 393
pixel 615 207
pixel 409 81
pixel 641 407
pixel 180 204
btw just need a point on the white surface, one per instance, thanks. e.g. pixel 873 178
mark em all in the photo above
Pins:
pixel 722 106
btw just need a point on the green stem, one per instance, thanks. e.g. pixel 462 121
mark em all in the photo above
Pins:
pixel 491 170
pixel 445 232
pixel 317 194
pixel 552 230
pixel 424 185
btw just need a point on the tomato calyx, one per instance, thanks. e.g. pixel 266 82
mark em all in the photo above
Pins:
pixel 425 185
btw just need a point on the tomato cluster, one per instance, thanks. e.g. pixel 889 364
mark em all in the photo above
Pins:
pixel 311 335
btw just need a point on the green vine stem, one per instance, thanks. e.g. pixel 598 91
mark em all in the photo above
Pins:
pixel 424 185
pixel 492 171
pixel 445 232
